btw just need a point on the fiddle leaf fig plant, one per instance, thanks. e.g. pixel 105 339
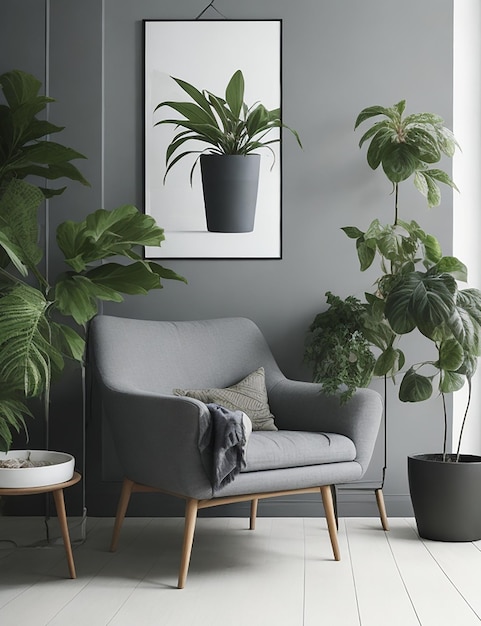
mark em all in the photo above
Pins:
pixel 36 335
pixel 226 124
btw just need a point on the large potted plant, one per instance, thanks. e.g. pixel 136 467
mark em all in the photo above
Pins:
pixel 43 319
pixel 418 290
pixel 229 163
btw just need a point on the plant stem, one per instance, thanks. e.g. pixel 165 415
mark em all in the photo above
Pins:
pixel 445 427
pixel 464 421
pixel 396 198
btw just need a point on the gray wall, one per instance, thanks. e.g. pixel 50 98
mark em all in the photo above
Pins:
pixel 338 57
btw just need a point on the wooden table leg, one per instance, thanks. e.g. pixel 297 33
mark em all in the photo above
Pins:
pixel 62 518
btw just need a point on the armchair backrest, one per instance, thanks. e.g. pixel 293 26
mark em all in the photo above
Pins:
pixel 158 356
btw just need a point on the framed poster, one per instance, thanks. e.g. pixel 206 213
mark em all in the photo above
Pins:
pixel 208 54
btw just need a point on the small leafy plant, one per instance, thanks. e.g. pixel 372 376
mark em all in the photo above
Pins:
pixel 35 336
pixel 226 124
pixel 337 349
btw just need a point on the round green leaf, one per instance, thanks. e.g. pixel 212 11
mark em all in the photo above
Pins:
pixel 414 387
pixel 451 381
pixel 399 161
pixel 451 355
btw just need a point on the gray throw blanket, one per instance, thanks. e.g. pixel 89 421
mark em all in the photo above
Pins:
pixel 221 443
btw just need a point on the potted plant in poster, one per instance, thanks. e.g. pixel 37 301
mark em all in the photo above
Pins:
pixel 233 132
pixel 36 313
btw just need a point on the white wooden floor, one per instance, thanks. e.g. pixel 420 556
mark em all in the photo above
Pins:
pixel 281 574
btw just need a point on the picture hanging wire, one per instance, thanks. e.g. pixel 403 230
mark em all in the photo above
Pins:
pixel 211 5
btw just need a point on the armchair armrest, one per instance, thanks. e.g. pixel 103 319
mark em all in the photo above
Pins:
pixel 156 439
pixel 299 405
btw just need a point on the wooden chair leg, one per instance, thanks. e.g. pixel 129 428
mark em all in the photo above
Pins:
pixel 330 519
pixel 191 509
pixel 382 508
pixel 62 518
pixel 252 523
pixel 125 494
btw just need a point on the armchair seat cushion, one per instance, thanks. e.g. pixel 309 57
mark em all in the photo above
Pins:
pixel 282 449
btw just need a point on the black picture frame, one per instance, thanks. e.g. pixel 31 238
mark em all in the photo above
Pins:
pixel 206 53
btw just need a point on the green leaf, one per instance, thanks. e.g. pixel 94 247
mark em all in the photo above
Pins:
pixel 12 412
pixel 451 355
pixel 49 152
pixel 470 300
pixel 165 273
pixel 434 193
pixel 452 265
pixel 387 362
pixel 19 87
pixel 76 296
pixel 366 254
pixel 193 113
pixel 369 112
pixel 414 387
pixel 469 335
pixel 107 233
pixel 136 278
pixel 13 253
pixel 423 118
pixel 27 355
pixel 257 120
pixel 71 343
pixel 441 176
pixel 421 183
pixel 379 145
pixel 399 161
pixel 54 171
pixel 446 139
pixel 234 93
pixel 384 124
pixel 197 96
pixel 422 301
pixel 469 366
pixel 432 248
pixel 424 142
pixel 352 232
pixel 19 223
pixel 40 128
pixel 451 381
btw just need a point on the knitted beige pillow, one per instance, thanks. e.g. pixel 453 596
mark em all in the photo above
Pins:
pixel 248 395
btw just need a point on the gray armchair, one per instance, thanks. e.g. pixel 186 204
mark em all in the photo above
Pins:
pixel 312 444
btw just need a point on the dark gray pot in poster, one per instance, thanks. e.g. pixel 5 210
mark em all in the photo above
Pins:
pixel 446 496
pixel 230 185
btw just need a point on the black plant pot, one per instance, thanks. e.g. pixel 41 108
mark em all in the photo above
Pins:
pixel 446 496
pixel 230 185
